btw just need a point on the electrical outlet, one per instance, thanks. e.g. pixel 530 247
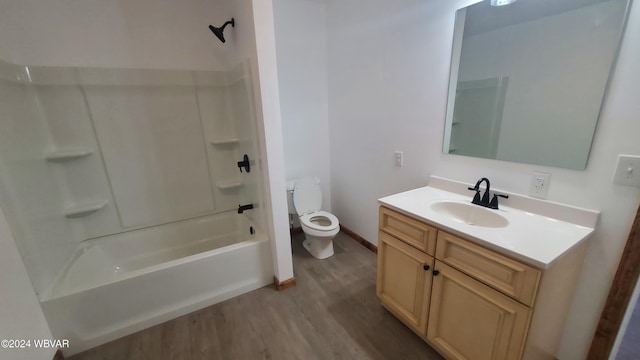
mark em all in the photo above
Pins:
pixel 539 185
pixel 398 158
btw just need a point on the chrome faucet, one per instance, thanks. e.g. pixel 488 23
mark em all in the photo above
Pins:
pixel 493 204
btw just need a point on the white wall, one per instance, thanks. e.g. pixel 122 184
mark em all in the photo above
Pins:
pixel 20 311
pixel 162 34
pixel 260 31
pixel 388 77
pixel 301 45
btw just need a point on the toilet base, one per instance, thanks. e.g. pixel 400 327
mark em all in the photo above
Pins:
pixel 319 248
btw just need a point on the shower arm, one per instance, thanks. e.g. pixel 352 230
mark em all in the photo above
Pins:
pixel 229 22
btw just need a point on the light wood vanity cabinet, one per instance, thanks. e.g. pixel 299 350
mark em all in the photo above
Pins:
pixel 466 301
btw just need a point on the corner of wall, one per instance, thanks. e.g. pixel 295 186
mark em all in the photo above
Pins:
pixel 269 113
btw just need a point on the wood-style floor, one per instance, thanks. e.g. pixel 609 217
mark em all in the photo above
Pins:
pixel 332 313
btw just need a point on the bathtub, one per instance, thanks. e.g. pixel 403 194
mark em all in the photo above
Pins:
pixel 119 284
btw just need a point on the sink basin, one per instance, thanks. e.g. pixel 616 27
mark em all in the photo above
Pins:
pixel 470 214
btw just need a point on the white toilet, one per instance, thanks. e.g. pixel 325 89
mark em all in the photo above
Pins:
pixel 304 198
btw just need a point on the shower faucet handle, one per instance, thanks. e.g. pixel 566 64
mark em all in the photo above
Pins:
pixel 244 164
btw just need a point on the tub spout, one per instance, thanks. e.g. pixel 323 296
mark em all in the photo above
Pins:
pixel 242 208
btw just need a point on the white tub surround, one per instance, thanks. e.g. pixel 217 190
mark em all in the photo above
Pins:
pixel 538 231
pixel 92 152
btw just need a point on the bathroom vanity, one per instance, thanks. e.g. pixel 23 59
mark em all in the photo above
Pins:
pixel 477 283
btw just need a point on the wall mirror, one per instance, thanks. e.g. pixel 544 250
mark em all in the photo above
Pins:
pixel 528 79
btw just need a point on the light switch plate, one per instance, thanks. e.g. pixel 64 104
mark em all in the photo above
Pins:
pixel 398 158
pixel 627 170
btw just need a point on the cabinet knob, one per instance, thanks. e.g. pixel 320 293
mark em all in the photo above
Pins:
pixel 436 272
pixel 426 267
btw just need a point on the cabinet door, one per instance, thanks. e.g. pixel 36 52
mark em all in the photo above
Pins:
pixel 470 320
pixel 404 281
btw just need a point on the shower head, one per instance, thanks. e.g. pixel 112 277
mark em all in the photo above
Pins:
pixel 219 31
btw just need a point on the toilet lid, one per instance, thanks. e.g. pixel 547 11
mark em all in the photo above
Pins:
pixel 307 195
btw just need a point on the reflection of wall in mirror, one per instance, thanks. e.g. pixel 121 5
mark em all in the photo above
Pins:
pixel 569 50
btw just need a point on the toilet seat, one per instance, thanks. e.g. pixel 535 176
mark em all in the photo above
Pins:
pixel 307 220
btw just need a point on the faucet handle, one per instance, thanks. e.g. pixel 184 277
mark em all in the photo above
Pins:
pixel 476 197
pixel 494 200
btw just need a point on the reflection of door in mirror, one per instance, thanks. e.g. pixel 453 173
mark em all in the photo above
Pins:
pixel 477 117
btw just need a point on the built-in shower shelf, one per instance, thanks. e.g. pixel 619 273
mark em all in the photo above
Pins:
pixel 228 141
pixel 226 185
pixel 67 154
pixel 81 210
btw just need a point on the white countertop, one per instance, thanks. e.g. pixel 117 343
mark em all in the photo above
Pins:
pixel 529 237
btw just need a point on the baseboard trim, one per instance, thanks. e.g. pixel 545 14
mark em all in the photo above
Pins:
pixel 58 355
pixel 283 285
pixel 359 239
